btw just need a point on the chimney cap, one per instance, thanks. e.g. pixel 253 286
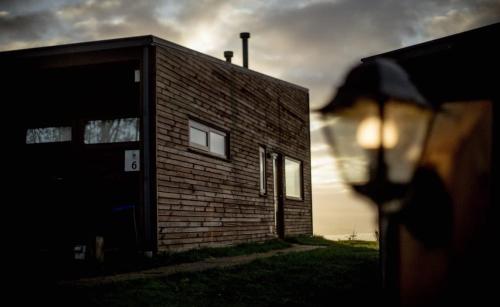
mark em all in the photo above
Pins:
pixel 244 35
pixel 228 53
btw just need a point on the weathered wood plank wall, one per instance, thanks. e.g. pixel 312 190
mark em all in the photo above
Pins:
pixel 205 201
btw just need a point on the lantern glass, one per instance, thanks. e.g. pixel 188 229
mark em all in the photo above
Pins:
pixel 411 122
pixel 353 139
pixel 355 135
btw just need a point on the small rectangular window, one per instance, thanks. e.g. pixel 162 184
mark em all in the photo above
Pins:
pixel 48 135
pixel 262 169
pixel 112 131
pixel 293 178
pixel 208 139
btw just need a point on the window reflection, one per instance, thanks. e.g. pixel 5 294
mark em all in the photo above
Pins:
pixel 218 143
pixel 198 136
pixel 112 131
pixel 293 178
pixel 48 135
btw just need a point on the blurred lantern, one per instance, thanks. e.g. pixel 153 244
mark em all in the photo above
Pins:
pixel 377 125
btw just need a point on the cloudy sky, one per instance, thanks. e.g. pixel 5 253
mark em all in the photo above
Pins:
pixel 308 42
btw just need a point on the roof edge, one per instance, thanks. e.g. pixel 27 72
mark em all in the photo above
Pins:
pixel 438 44
pixel 164 43
pixel 126 42
pixel 106 44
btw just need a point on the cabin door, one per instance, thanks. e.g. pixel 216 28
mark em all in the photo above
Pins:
pixel 278 195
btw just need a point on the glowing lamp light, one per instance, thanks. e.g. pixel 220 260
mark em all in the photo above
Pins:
pixel 368 134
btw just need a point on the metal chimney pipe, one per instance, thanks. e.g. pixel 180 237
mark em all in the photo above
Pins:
pixel 245 36
pixel 228 54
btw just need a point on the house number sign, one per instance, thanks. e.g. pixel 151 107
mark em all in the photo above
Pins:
pixel 132 161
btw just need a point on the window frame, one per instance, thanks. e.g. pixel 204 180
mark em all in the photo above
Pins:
pixel 262 170
pixel 208 129
pixel 301 180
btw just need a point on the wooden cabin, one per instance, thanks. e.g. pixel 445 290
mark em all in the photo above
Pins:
pixel 150 146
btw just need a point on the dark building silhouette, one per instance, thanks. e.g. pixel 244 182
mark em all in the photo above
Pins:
pixel 446 232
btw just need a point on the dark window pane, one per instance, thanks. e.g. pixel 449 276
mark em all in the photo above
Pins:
pixel 262 168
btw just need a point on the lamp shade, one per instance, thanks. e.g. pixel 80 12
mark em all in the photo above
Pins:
pixel 380 80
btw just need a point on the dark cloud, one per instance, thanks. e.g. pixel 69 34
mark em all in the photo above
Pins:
pixel 21 7
pixel 114 18
pixel 316 43
pixel 72 21
pixel 462 16
pixel 32 21
pixel 33 26
pixel 199 11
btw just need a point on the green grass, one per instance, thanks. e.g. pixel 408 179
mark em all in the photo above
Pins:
pixel 341 273
pixel 122 264
pixel 321 241
pixel 310 240
pixel 238 250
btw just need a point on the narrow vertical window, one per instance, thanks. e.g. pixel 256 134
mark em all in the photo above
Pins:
pixel 293 178
pixel 262 163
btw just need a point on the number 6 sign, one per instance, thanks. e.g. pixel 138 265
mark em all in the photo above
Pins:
pixel 132 161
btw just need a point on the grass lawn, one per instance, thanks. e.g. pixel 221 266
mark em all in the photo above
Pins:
pixel 122 264
pixel 341 273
